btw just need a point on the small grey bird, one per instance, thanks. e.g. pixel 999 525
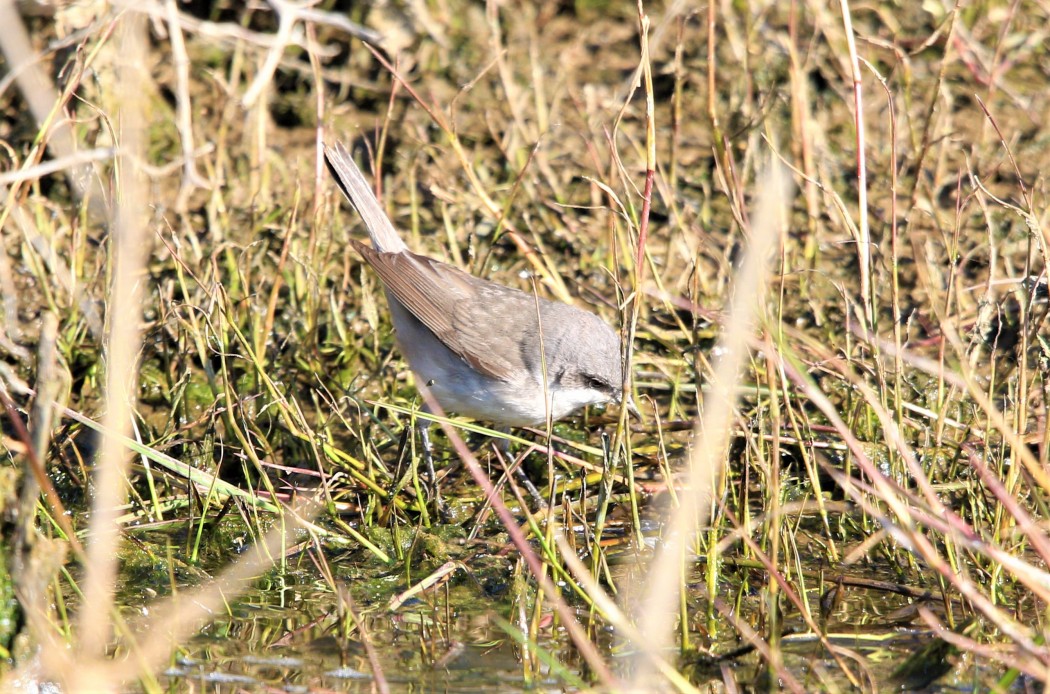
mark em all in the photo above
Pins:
pixel 484 350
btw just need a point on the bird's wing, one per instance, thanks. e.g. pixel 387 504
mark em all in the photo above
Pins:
pixel 453 305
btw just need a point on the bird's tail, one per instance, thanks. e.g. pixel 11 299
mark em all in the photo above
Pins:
pixel 356 189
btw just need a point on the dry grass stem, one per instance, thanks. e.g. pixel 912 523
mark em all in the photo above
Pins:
pixel 656 612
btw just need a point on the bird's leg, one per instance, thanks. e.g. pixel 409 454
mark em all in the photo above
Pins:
pixel 402 450
pixel 423 428
pixel 503 446
pixel 502 443
pixel 519 470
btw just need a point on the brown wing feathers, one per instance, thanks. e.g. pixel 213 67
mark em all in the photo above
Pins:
pixel 438 295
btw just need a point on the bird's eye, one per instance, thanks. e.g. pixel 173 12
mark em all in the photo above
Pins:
pixel 595 383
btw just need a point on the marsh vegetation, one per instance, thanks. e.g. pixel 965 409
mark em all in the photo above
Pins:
pixel 840 479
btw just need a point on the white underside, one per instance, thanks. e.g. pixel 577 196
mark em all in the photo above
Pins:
pixel 459 389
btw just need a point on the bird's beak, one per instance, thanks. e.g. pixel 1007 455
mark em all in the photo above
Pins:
pixel 632 408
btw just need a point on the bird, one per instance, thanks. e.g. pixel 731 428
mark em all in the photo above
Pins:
pixel 483 350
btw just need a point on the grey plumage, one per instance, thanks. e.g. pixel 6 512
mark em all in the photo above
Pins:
pixel 477 344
